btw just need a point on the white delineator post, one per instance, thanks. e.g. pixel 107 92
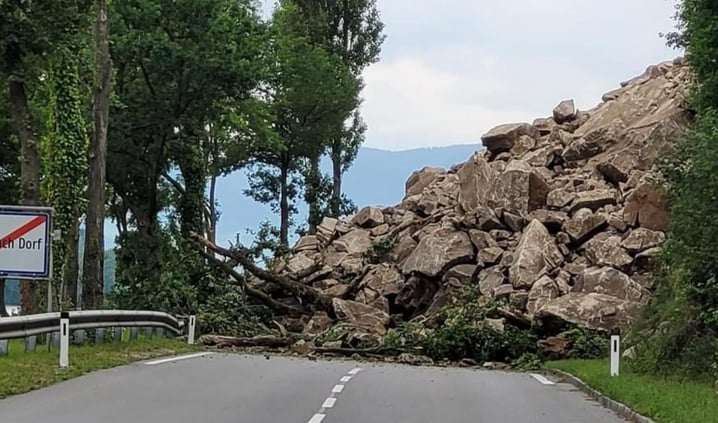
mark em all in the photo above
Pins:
pixel 64 339
pixel 615 354
pixel 190 334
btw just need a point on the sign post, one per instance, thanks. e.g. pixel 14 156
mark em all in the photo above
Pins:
pixel 64 339
pixel 190 335
pixel 615 354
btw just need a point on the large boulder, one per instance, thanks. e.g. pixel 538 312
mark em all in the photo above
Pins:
pixel 421 179
pixel 519 190
pixel 605 249
pixel 361 316
pixel 565 112
pixel 642 239
pixel 475 179
pixel 609 281
pixel 544 290
pixel 503 137
pixel 593 311
pixel 647 207
pixel 583 225
pixel 369 217
pixel 535 256
pixel 384 279
pixel 438 251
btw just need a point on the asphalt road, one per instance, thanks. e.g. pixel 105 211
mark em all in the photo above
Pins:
pixel 229 388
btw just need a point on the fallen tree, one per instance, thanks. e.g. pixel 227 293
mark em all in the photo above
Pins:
pixel 310 297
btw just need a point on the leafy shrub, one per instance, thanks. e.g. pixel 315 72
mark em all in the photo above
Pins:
pixel 587 343
pixel 380 249
pixel 230 314
pixel 527 361
pixel 465 334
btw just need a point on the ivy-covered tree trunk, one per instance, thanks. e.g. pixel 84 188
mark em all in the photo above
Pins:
pixel 93 265
pixel 194 173
pixel 65 164
pixel 29 154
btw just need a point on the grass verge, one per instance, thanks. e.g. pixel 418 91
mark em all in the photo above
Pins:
pixel 21 372
pixel 664 400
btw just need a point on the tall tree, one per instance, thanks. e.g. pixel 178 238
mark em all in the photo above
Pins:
pixel 180 65
pixel 682 318
pixel 28 35
pixel 65 166
pixel 9 169
pixel 308 90
pixel 353 30
pixel 93 263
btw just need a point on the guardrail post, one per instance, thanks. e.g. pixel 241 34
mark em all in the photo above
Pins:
pixel 160 332
pixel 148 333
pixel 4 346
pixel 30 343
pixel 190 334
pixel 615 354
pixel 54 341
pixel 64 339
pixel 99 335
pixel 117 334
pixel 78 337
pixel 133 334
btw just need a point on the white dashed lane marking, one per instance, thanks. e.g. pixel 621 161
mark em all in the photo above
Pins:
pixel 542 379
pixel 181 357
pixel 332 400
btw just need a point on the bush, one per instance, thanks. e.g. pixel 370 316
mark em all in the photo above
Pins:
pixel 464 333
pixel 230 314
pixel 380 249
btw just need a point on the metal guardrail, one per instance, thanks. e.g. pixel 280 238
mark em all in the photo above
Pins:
pixel 30 326
pixel 36 324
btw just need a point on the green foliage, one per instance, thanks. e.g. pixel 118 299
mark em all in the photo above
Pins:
pixel 464 333
pixel 586 343
pixel 527 362
pixel 663 399
pixel 379 249
pixel 678 331
pixel 229 313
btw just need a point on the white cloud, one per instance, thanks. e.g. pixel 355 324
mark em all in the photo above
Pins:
pixel 450 73
pixel 452 69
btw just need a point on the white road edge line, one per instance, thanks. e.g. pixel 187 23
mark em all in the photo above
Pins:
pixel 317 418
pixel 337 389
pixel 181 357
pixel 329 402
pixel 542 379
pixel 345 379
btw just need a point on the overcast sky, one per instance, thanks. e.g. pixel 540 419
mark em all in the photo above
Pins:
pixel 452 69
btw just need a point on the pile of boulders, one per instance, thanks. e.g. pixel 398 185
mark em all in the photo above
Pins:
pixel 560 216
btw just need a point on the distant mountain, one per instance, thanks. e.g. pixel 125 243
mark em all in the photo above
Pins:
pixel 377 177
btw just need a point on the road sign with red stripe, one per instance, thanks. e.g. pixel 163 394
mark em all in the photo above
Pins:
pixel 25 244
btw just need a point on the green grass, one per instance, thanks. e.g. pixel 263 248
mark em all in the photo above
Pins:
pixel 21 372
pixel 664 400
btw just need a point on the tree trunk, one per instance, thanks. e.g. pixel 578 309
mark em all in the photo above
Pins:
pixel 30 156
pixel 336 154
pixel 3 306
pixel 212 235
pixel 94 258
pixel 72 265
pixel 284 204
pixel 312 189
